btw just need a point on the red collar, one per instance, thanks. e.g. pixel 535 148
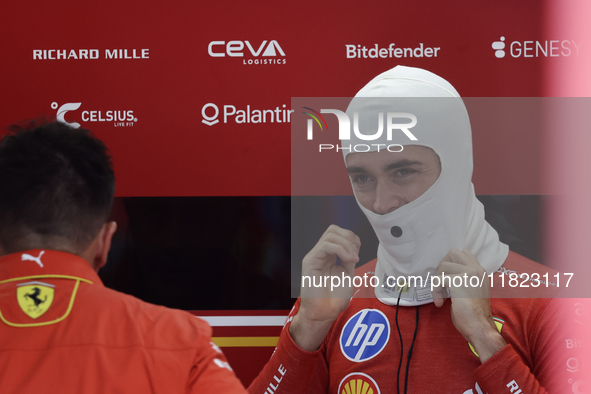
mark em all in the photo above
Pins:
pixel 43 262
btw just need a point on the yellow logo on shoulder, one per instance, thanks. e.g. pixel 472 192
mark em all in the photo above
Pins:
pixel 34 298
pixel 499 323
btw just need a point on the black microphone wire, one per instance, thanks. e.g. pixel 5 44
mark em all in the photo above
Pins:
pixel 401 346
pixel 410 351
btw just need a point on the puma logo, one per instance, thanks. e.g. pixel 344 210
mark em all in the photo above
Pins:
pixel 477 388
pixel 28 257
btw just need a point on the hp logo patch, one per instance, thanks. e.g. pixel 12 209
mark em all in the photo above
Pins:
pixel 365 335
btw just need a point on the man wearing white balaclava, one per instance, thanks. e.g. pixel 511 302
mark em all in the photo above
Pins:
pixel 415 237
pixel 421 204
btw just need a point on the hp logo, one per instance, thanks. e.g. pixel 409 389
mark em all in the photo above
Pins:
pixel 365 335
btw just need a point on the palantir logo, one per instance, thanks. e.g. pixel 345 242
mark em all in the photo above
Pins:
pixel 210 120
pixel 229 113
pixel 365 335
pixel 499 47
pixel 61 112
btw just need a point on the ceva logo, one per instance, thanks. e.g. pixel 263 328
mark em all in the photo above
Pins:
pixel 269 50
pixel 365 335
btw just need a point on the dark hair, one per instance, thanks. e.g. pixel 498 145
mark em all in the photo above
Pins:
pixel 56 182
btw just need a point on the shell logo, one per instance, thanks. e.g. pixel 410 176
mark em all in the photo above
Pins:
pixel 358 383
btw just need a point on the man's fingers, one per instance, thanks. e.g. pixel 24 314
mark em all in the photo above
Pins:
pixel 469 254
pixel 338 239
pixel 324 256
pixel 439 295
pixel 346 255
pixel 456 262
pixel 346 234
pixel 335 242
pixel 450 268
pixel 458 278
pixel 463 257
pixel 438 289
pixel 456 256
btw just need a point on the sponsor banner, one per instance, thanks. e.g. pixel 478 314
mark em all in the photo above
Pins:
pixel 229 133
pixel 206 98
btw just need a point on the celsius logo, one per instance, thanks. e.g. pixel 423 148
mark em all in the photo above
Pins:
pixel 358 382
pixel 268 50
pixel 365 335
pixel 345 129
pixel 498 46
pixel 210 113
pixel 61 112
pixel 548 48
pixel 119 118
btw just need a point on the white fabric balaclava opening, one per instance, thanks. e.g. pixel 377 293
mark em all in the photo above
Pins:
pixel 414 238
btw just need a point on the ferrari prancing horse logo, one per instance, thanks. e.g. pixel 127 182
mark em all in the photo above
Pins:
pixel 34 298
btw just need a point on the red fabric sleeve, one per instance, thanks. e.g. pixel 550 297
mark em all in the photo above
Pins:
pixel 292 370
pixel 211 372
pixel 549 337
pixel 505 372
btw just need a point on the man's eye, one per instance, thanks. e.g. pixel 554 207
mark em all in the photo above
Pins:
pixel 361 179
pixel 405 172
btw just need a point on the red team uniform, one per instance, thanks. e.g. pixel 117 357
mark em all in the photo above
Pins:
pixel 62 331
pixel 354 358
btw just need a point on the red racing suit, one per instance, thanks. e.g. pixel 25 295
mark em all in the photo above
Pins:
pixel 361 353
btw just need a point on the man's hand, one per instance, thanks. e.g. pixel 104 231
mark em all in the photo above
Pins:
pixel 319 306
pixel 470 306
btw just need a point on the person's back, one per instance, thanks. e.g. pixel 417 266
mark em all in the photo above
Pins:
pixel 61 330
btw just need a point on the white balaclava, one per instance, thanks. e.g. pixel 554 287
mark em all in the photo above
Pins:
pixel 415 237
